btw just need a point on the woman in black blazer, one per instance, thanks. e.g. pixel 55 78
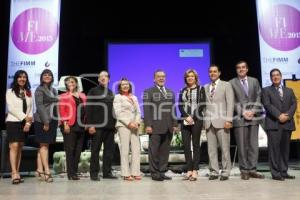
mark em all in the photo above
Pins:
pixel 191 105
pixel 45 125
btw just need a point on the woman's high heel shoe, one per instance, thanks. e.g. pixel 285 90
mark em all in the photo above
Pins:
pixel 15 180
pixel 194 176
pixel 40 175
pixel 187 177
pixel 48 178
pixel 138 178
pixel 22 180
pixel 128 178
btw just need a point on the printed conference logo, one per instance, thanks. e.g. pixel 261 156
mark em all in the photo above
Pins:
pixel 34 31
pixel 23 63
pixel 28 63
pixel 275 60
pixel 280 28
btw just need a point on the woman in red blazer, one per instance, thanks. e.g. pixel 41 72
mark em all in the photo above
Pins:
pixel 72 115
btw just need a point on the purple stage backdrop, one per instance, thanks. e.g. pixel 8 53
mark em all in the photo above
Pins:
pixel 139 61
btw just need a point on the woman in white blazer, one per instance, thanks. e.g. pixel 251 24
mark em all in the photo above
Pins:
pixel 128 117
pixel 18 120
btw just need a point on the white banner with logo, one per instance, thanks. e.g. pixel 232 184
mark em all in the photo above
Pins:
pixel 279 37
pixel 33 38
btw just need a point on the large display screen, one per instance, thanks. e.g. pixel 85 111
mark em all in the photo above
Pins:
pixel 139 61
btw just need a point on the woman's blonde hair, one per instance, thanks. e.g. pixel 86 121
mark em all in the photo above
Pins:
pixel 71 78
pixel 187 72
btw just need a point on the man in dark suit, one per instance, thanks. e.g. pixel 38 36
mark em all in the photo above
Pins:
pixel 101 125
pixel 280 104
pixel 160 122
pixel 247 109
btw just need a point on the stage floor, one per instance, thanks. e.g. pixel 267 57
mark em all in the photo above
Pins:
pixel 233 189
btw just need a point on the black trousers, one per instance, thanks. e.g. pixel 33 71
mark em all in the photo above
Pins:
pixel 106 137
pixel 73 142
pixel 192 133
pixel 279 150
pixel 159 149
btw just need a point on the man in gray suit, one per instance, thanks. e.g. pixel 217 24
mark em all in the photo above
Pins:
pixel 280 104
pixel 160 122
pixel 247 110
pixel 218 121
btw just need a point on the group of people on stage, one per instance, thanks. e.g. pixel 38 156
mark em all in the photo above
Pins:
pixel 216 107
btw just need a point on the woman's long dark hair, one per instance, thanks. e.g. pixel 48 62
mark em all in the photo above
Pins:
pixel 15 86
pixel 46 71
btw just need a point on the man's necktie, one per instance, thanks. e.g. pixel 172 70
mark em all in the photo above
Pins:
pixel 280 92
pixel 245 86
pixel 213 89
pixel 163 91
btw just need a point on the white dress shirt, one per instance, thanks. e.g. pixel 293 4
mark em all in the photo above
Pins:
pixel 246 81
pixel 15 107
